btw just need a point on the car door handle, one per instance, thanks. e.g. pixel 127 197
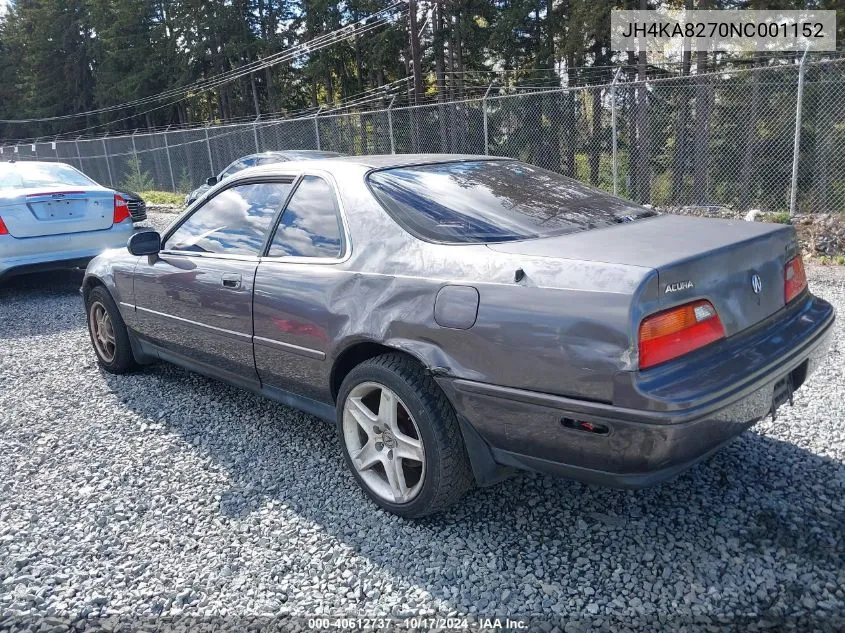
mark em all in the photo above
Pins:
pixel 232 281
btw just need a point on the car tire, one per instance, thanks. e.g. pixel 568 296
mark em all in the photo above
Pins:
pixel 109 336
pixel 440 462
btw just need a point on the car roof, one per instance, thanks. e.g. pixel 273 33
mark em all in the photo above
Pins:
pixel 374 161
pixel 296 153
pixel 381 161
pixel 362 164
pixel 35 162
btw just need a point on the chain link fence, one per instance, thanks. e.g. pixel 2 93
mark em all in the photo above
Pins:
pixel 727 138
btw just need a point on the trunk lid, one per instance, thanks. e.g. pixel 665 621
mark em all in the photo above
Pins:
pixel 39 212
pixel 695 258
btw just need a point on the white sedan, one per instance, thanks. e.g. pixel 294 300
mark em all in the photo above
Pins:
pixel 52 216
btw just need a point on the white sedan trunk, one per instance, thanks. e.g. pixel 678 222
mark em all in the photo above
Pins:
pixel 38 212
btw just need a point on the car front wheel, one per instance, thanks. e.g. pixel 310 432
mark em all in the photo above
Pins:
pixel 401 438
pixel 108 332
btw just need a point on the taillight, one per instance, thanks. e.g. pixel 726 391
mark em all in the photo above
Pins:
pixel 121 209
pixel 3 229
pixel 794 279
pixel 678 331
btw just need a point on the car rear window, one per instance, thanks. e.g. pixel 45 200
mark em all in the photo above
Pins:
pixel 493 201
pixel 26 175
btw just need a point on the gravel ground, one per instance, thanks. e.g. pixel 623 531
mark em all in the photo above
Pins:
pixel 167 495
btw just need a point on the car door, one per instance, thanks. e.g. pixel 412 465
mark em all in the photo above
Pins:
pixel 297 286
pixel 194 300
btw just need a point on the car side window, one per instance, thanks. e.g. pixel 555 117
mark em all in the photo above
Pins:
pixel 234 222
pixel 311 224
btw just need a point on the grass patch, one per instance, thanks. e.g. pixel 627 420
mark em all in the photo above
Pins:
pixel 831 260
pixel 781 217
pixel 162 197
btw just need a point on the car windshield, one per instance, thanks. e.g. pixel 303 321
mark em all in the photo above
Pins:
pixel 238 165
pixel 26 175
pixel 494 201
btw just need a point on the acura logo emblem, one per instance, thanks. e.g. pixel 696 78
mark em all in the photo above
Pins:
pixel 756 283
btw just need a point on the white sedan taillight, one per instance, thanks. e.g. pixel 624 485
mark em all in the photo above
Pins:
pixel 121 209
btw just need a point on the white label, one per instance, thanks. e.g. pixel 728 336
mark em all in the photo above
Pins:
pixel 671 31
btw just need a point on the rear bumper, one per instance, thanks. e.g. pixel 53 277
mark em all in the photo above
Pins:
pixel 639 447
pixel 56 252
pixel 77 263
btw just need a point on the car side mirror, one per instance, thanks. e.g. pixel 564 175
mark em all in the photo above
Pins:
pixel 211 181
pixel 144 243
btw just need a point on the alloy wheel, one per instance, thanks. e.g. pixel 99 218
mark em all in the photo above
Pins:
pixel 102 331
pixel 384 442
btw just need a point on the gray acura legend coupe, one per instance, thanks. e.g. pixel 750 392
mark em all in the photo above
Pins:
pixel 463 317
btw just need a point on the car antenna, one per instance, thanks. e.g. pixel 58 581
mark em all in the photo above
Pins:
pixel 519 275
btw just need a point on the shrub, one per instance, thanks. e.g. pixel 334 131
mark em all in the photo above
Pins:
pixel 162 197
pixel 781 217
pixel 137 180
pixel 184 184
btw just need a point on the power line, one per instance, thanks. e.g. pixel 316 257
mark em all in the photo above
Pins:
pixel 318 43
pixel 355 100
pixel 289 56
pixel 471 95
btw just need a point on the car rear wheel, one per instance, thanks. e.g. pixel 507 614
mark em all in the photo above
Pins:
pixel 108 332
pixel 401 438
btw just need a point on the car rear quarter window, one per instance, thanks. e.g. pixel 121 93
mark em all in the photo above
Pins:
pixel 311 224
pixel 493 201
pixel 234 222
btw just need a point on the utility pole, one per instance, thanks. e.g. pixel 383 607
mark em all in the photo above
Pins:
pixel 796 150
pixel 614 138
pixel 416 63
